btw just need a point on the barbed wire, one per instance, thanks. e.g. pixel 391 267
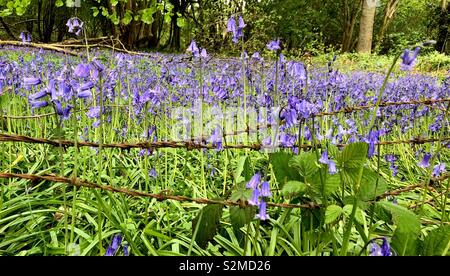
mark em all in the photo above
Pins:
pixel 189 145
pixel 166 196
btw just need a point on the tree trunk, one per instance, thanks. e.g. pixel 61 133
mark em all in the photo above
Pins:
pixel 39 12
pixel 175 31
pixel 49 20
pixel 350 16
pixel 7 29
pixel 391 8
pixel 443 26
pixel 366 27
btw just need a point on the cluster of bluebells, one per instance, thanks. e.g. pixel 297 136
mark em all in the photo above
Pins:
pixel 438 169
pixel 260 191
pixel 195 51
pixel 409 59
pixel 113 248
pixel 237 29
pixel 377 250
pixel 392 159
pixel 25 37
pixel 325 160
pixel 75 25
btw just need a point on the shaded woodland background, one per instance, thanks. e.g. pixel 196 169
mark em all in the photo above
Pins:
pixel 304 26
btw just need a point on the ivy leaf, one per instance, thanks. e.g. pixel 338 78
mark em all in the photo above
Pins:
pixel 59 3
pixel 181 22
pixel 332 213
pixel 207 223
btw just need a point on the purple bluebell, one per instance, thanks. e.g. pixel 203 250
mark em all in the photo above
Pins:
pixel 438 170
pixel 324 157
pixel 265 189
pixel 409 59
pixel 75 25
pixel 193 49
pixel 82 70
pixel 25 36
pixel 38 104
pixel 254 201
pixel 274 45
pixel 262 211
pixel 115 244
pixel 94 112
pixel 31 81
pixel 152 173
pixel 425 162
pixel 254 181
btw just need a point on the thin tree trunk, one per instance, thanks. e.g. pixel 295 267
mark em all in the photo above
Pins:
pixel 391 8
pixel 366 27
pixel 7 29
pixel 350 15
pixel 443 26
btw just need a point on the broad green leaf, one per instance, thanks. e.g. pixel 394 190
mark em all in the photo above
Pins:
pixel 240 217
pixel 242 194
pixel 127 18
pixel 353 156
pixel 369 188
pixel 59 3
pixel 404 240
pixel 293 188
pixel 282 171
pixel 332 213
pixel 208 221
pixel 181 22
pixel 243 169
pixel 305 163
pixel 359 215
pixel 437 243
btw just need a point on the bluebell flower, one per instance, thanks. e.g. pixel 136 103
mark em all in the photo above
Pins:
pixel 75 25
pixel 274 45
pixel 438 170
pixel 409 59
pixel 94 112
pixel 324 157
pixel 82 70
pixel 265 189
pixel 377 250
pixel 425 162
pixel 152 173
pixel 31 81
pixel 254 181
pixel 25 36
pixel 193 49
pixel 332 167
pixel 255 197
pixel 263 211
pixel 38 104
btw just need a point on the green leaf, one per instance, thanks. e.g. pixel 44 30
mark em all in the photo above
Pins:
pixel 95 11
pixel 332 213
pixel 437 243
pixel 404 240
pixel 241 193
pixel 353 156
pixel 181 22
pixel 240 217
pixel 293 188
pixel 359 215
pixel 243 167
pixel 369 189
pixel 59 3
pixel 206 223
pixel 128 16
pixel 283 173
pixel 305 162
pixel 147 15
